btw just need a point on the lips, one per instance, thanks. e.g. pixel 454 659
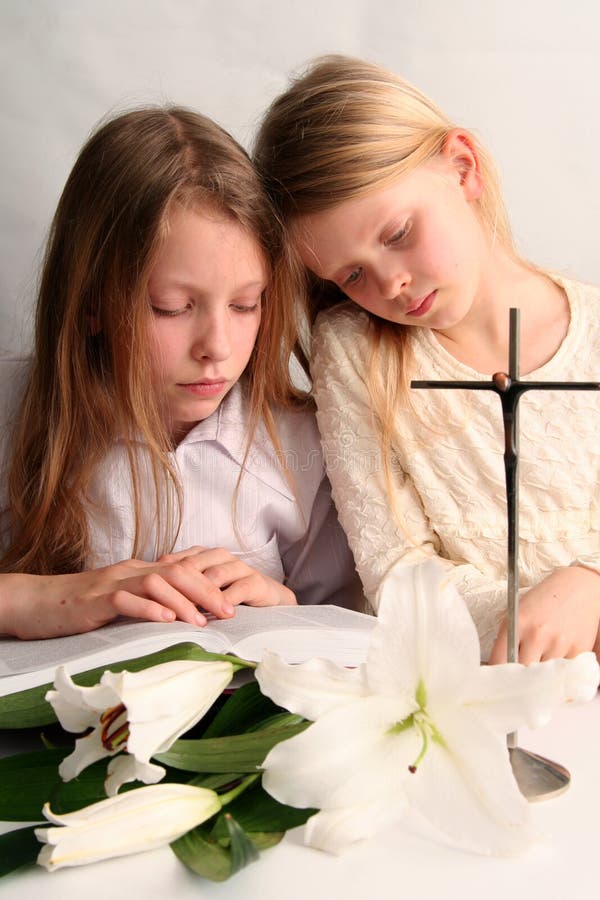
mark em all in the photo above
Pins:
pixel 421 305
pixel 207 387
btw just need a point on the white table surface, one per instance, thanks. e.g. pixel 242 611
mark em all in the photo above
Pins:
pixel 399 864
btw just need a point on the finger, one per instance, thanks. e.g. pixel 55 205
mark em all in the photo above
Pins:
pixel 201 559
pixel 180 554
pixel 224 573
pixel 126 603
pixel 580 643
pixel 192 586
pixel 286 598
pixel 558 649
pixel 152 588
pixel 259 590
pixel 499 653
pixel 541 642
pixel 529 652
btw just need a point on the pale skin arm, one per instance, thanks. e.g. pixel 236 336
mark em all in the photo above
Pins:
pixel 559 617
pixel 176 587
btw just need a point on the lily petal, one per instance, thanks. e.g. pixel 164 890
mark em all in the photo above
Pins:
pixel 125 768
pixel 466 788
pixel 310 689
pixel 150 694
pixel 77 707
pixel 335 830
pixel 424 633
pixel 347 757
pixel 130 823
pixel 170 701
pixel 88 750
pixel 511 695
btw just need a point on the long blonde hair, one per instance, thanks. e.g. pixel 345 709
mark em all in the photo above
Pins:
pixel 88 381
pixel 343 129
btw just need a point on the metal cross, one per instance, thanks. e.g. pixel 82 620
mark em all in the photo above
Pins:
pixel 510 388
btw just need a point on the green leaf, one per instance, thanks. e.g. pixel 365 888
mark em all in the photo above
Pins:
pixel 25 709
pixel 243 709
pixel 262 841
pixel 257 811
pixel 87 788
pixel 18 848
pixel 219 859
pixel 279 720
pixel 242 849
pixel 235 753
pixel 202 854
pixel 28 780
pixel 214 782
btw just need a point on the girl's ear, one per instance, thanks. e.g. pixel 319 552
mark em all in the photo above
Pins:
pixel 460 152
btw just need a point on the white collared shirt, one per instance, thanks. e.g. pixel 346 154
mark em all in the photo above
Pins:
pixel 289 533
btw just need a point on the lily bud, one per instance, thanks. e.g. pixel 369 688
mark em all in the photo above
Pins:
pixel 133 822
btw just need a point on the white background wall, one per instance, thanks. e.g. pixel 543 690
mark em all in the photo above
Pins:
pixel 524 74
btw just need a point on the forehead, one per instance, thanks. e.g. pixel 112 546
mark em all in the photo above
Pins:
pixel 203 242
pixel 331 238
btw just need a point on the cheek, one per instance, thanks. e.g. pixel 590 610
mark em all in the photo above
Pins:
pixel 443 254
pixel 162 348
pixel 247 336
pixel 371 306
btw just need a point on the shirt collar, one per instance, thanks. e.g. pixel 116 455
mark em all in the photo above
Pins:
pixel 228 426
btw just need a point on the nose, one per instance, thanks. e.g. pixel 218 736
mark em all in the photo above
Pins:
pixel 213 337
pixel 392 280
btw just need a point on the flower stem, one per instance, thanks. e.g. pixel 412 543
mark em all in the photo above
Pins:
pixel 238 663
pixel 236 791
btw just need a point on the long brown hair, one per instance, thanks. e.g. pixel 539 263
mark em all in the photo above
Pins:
pixel 343 129
pixel 88 381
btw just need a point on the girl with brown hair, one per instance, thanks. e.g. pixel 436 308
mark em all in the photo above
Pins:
pixel 157 416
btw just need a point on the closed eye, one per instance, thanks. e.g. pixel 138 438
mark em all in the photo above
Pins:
pixel 354 277
pixel 244 308
pixel 169 313
pixel 398 236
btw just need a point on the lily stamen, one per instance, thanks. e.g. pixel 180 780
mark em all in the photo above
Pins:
pixel 422 723
pixel 118 737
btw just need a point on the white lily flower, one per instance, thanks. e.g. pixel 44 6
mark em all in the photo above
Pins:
pixel 420 723
pixel 142 713
pixel 138 820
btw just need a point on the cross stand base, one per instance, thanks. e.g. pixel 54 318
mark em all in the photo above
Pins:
pixel 538 778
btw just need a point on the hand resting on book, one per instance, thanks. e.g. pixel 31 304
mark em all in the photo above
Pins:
pixel 178 586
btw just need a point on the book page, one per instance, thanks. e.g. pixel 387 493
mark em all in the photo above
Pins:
pixel 296 632
pixel 25 664
pixel 299 633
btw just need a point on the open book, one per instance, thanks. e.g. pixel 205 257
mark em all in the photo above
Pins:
pixel 297 633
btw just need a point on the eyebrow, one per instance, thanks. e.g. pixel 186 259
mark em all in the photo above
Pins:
pixel 251 285
pixel 190 286
pixel 341 272
pixel 328 275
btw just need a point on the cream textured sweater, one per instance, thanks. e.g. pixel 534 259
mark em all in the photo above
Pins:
pixel 448 468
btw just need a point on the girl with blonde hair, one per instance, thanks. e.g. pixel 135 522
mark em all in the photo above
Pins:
pixel 404 252
pixel 157 460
